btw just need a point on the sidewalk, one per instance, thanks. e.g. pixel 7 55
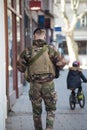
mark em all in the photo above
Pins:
pixel 66 119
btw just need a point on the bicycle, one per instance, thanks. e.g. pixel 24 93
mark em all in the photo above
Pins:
pixel 77 98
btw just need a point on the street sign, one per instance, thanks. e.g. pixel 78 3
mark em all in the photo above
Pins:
pixel 59 29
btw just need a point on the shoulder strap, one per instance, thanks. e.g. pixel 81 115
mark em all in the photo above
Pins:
pixel 44 48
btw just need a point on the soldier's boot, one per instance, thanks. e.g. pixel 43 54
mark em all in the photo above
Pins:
pixel 37 123
pixel 50 120
pixel 49 129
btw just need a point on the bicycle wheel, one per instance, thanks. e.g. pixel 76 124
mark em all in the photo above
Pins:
pixel 72 102
pixel 82 102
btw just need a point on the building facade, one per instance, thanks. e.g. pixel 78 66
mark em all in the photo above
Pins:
pixel 3 98
pixel 80 34
pixel 12 43
pixel 43 18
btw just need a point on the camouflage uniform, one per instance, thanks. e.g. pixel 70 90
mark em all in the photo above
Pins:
pixel 43 88
pixel 45 91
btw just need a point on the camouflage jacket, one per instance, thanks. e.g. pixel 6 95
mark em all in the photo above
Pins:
pixel 54 55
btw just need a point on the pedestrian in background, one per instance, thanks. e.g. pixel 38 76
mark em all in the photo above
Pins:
pixel 40 60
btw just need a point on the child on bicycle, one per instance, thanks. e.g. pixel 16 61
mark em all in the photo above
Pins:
pixel 75 78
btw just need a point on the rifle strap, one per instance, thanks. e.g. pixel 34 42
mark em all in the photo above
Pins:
pixel 44 48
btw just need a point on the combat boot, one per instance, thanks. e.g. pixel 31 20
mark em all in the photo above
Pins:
pixel 49 129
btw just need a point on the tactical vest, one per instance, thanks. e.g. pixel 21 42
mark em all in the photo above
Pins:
pixel 43 64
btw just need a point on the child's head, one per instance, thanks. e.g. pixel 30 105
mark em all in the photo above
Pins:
pixel 76 64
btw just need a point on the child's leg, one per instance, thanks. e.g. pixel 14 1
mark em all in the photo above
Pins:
pixel 73 92
pixel 73 95
pixel 79 89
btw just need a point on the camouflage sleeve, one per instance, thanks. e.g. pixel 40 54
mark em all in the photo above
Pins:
pixel 23 54
pixel 22 61
pixel 22 57
pixel 26 55
pixel 57 58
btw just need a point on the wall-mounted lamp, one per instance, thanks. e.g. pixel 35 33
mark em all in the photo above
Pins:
pixel 35 5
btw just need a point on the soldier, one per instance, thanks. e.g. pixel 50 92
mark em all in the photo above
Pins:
pixel 40 60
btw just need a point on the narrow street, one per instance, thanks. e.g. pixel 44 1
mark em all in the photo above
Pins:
pixel 66 119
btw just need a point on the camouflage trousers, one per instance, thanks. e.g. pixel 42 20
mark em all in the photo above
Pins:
pixel 46 92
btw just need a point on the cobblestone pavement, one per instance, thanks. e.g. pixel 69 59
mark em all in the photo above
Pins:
pixel 66 119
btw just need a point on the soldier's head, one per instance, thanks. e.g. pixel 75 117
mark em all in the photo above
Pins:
pixel 39 33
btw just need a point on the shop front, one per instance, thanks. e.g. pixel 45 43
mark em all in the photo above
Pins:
pixel 14 45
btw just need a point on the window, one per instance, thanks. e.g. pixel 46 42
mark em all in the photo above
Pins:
pixel 82 47
pixel 14 42
pixel 84 21
pixel 78 25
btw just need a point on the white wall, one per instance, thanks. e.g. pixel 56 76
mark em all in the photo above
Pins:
pixel 3 106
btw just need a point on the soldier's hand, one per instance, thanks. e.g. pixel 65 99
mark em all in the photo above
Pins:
pixel 21 65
